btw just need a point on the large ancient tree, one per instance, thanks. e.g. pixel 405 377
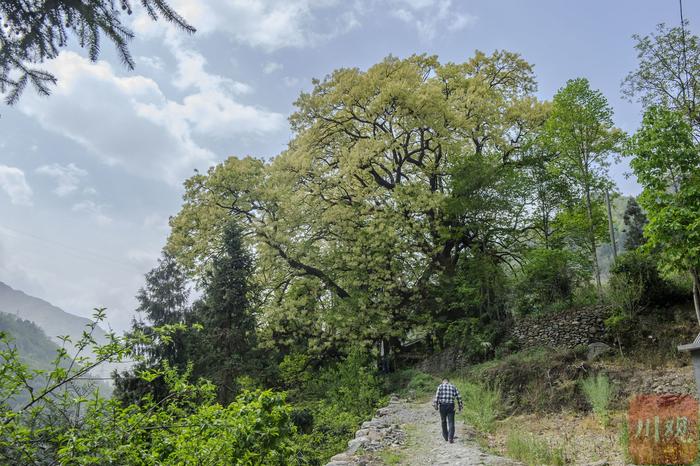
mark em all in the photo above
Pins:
pixel 395 174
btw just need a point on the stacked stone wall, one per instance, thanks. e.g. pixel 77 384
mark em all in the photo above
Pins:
pixel 566 329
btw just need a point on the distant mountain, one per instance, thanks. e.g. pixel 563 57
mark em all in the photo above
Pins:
pixel 35 348
pixel 53 320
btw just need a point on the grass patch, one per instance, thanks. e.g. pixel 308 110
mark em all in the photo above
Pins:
pixel 536 380
pixel 598 392
pixel 482 404
pixel 533 451
pixel 391 457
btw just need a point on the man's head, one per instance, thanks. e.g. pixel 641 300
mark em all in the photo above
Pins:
pixel 445 380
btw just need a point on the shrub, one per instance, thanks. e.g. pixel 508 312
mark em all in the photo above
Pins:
pixel 533 451
pixel 642 270
pixel 295 373
pixel 548 276
pixel 474 339
pixel 539 380
pixel 482 404
pixel 598 392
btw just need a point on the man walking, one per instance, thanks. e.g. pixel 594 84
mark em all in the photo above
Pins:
pixel 445 401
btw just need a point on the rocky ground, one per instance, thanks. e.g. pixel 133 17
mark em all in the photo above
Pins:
pixel 405 433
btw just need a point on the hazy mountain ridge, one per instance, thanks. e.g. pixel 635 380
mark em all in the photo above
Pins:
pixel 35 348
pixel 54 321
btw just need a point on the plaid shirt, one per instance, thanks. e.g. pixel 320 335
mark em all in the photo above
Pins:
pixel 446 394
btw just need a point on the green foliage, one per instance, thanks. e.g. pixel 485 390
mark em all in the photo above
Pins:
pixel 482 404
pixel 294 371
pixel 669 61
pixel 667 166
pixel 352 385
pixel 355 222
pixel 536 380
pixel 163 303
pixel 635 220
pixel 62 423
pixel 580 128
pixel 474 339
pixel 229 338
pixel 390 457
pixel 330 402
pixel 599 393
pixel 641 270
pixel 533 451
pixel 332 428
pixel 35 32
pixel 31 342
pixel 548 276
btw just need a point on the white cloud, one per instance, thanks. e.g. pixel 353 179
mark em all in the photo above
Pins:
pixel 431 16
pixel 94 210
pixel 290 81
pixel 152 62
pixel 271 67
pixel 266 24
pixel 130 123
pixel 14 183
pixel 67 177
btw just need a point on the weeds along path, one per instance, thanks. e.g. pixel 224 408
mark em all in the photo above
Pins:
pixel 425 445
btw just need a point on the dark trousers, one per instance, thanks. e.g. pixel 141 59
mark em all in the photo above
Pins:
pixel 447 417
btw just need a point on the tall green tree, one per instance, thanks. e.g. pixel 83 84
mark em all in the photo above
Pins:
pixel 163 305
pixel 363 207
pixel 227 317
pixel 667 75
pixel 580 129
pixel 33 31
pixel 667 164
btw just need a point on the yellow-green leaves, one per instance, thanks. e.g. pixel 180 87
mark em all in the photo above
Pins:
pixel 357 210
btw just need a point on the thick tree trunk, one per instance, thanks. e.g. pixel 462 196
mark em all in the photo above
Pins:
pixel 696 292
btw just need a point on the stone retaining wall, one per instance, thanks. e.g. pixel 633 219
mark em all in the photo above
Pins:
pixel 373 435
pixel 565 329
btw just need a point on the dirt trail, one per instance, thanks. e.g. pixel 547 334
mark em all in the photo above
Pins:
pixel 425 445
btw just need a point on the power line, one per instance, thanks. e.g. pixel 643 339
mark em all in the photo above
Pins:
pixel 83 254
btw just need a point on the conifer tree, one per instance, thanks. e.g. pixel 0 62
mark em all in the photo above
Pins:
pixel 163 301
pixel 33 31
pixel 635 221
pixel 225 313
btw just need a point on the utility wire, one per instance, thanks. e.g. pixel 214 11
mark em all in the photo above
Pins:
pixel 75 252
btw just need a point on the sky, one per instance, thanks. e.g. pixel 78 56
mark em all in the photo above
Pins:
pixel 90 175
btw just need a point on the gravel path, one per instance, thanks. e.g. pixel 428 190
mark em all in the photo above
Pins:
pixel 425 444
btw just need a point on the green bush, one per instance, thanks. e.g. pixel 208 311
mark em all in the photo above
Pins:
pixel 474 339
pixel 533 451
pixel 352 385
pixel 599 393
pixel 535 380
pixel 549 276
pixel 332 428
pixel 642 270
pixel 482 404
pixel 331 402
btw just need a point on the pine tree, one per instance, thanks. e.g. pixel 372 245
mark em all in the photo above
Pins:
pixel 33 31
pixel 635 221
pixel 229 324
pixel 163 301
